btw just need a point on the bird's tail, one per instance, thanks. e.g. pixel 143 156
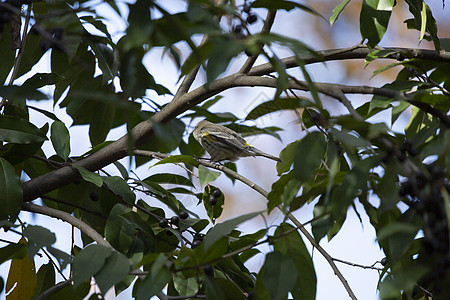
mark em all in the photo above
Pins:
pixel 260 153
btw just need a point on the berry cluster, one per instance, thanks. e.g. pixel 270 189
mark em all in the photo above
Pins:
pixel 214 197
pixel 425 191
pixel 174 220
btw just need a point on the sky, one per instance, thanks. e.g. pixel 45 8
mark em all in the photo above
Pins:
pixel 356 242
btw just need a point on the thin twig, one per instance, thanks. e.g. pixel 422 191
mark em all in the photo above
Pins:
pixel 98 214
pixel 45 294
pixel 53 263
pixel 357 265
pixel 54 213
pixel 248 64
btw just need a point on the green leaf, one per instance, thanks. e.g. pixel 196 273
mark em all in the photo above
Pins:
pixel 18 130
pixel 62 257
pixel 45 279
pixel 11 251
pixel 220 230
pixel 60 137
pixel 277 105
pixel 120 188
pixel 185 286
pixel 293 246
pixel 10 192
pixel 176 159
pixel 337 11
pixel 156 280
pixel 287 158
pixel 374 19
pixel 284 5
pixel 224 49
pixel 404 279
pixel 89 176
pixel 7 52
pixel 230 289
pixel 213 291
pixel 38 237
pixel 169 178
pixel 88 262
pixel 32 52
pixel 279 274
pixel 118 230
pixel 115 269
pixel 277 191
pixel 308 156
pixel 206 175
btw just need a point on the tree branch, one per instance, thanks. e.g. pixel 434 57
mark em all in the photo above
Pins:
pixel 38 186
pixel 248 64
pixel 358 52
pixel 54 213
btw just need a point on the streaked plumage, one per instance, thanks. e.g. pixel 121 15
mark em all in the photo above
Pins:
pixel 223 143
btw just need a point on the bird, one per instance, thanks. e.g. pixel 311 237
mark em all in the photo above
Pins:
pixel 224 144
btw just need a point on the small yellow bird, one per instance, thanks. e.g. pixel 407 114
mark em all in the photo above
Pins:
pixel 222 143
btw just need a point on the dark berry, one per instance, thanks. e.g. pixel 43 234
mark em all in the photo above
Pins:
pixel 237 29
pixel 383 261
pixel 94 196
pixel 175 220
pixel 217 193
pixel 163 223
pixel 406 188
pixel 183 215
pixel 401 157
pixel 212 200
pixel 421 180
pixel 209 271
pixel 196 243
pixel 252 19
pixel 199 237
pixel 246 8
pixel 436 172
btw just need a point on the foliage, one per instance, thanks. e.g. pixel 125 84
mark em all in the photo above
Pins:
pixel 400 177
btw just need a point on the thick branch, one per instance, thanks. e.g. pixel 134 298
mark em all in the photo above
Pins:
pixel 54 213
pixel 361 51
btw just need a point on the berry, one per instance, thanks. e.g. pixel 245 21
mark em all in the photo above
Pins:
pixel 406 188
pixel 212 200
pixel 209 271
pixel 183 215
pixel 175 220
pixel 252 19
pixel 196 243
pixel 163 223
pixel 94 196
pixel 217 193
pixel 246 8
pixel 383 261
pixel 237 29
